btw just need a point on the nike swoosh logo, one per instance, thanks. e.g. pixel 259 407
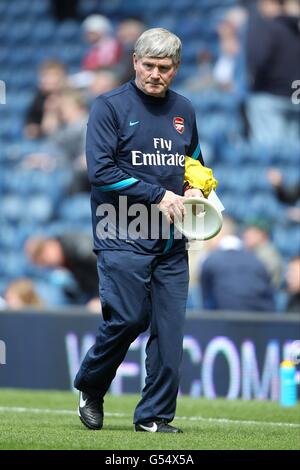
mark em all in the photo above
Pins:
pixel 153 428
pixel 133 123
pixel 82 402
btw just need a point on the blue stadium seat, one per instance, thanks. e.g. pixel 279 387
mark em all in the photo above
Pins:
pixel 7 235
pixel 19 34
pixel 40 9
pixel 30 182
pixel 36 209
pixel 15 10
pixel 286 238
pixel 88 7
pixel 68 30
pixel 264 204
pixel 3 9
pixel 4 56
pixel 59 227
pixel 161 19
pixel 19 101
pixel 3 285
pixel 75 208
pixel 22 57
pixel 11 128
pixel 13 207
pixel 39 209
pixel 44 31
pixel 12 264
pixel 234 206
pixel 70 53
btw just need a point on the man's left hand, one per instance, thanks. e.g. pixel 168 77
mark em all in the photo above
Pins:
pixel 194 192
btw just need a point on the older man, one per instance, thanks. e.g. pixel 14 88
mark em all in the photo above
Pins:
pixel 137 140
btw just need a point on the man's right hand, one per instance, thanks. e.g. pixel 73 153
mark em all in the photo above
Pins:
pixel 172 206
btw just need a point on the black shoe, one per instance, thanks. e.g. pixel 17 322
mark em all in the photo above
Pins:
pixel 155 426
pixel 90 411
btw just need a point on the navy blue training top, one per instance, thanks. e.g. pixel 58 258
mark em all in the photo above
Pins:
pixel 136 146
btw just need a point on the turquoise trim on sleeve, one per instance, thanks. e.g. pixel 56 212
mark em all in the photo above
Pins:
pixel 170 241
pixel 196 152
pixel 118 185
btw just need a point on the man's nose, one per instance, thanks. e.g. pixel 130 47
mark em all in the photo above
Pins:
pixel 155 73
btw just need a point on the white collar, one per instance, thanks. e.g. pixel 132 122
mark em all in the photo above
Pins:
pixel 230 242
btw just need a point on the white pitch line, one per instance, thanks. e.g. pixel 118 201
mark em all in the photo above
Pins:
pixel 14 409
pixel 17 409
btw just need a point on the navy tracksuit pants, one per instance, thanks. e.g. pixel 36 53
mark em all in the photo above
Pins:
pixel 136 291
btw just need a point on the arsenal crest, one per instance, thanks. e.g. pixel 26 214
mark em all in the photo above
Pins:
pixel 178 123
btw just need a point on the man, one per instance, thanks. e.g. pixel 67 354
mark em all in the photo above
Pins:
pixel 137 139
pixel 105 50
pixel 232 277
pixel 257 238
pixel 272 115
pixel 52 79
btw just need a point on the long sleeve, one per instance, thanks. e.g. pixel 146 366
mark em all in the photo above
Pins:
pixel 194 150
pixel 102 154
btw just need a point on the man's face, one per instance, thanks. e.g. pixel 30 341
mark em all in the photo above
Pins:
pixel 51 255
pixel 154 75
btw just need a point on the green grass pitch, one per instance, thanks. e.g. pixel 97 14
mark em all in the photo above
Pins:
pixel 48 420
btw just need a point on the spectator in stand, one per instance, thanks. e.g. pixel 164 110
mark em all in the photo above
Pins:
pixel 105 49
pixel 68 139
pixel 65 144
pixel 256 237
pixel 203 78
pixel 273 51
pixel 52 79
pixel 287 195
pixel 229 69
pixel 225 72
pixel 21 294
pixel 128 31
pixel 103 80
pixel 71 252
pixel 233 278
pixel 293 285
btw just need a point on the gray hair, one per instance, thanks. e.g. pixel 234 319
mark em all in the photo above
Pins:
pixel 158 42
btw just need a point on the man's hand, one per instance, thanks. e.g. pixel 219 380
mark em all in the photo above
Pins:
pixel 172 206
pixel 193 193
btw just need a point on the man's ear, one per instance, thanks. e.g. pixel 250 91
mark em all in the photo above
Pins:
pixel 134 60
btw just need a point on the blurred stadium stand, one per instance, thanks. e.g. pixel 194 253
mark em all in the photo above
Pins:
pixel 35 201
